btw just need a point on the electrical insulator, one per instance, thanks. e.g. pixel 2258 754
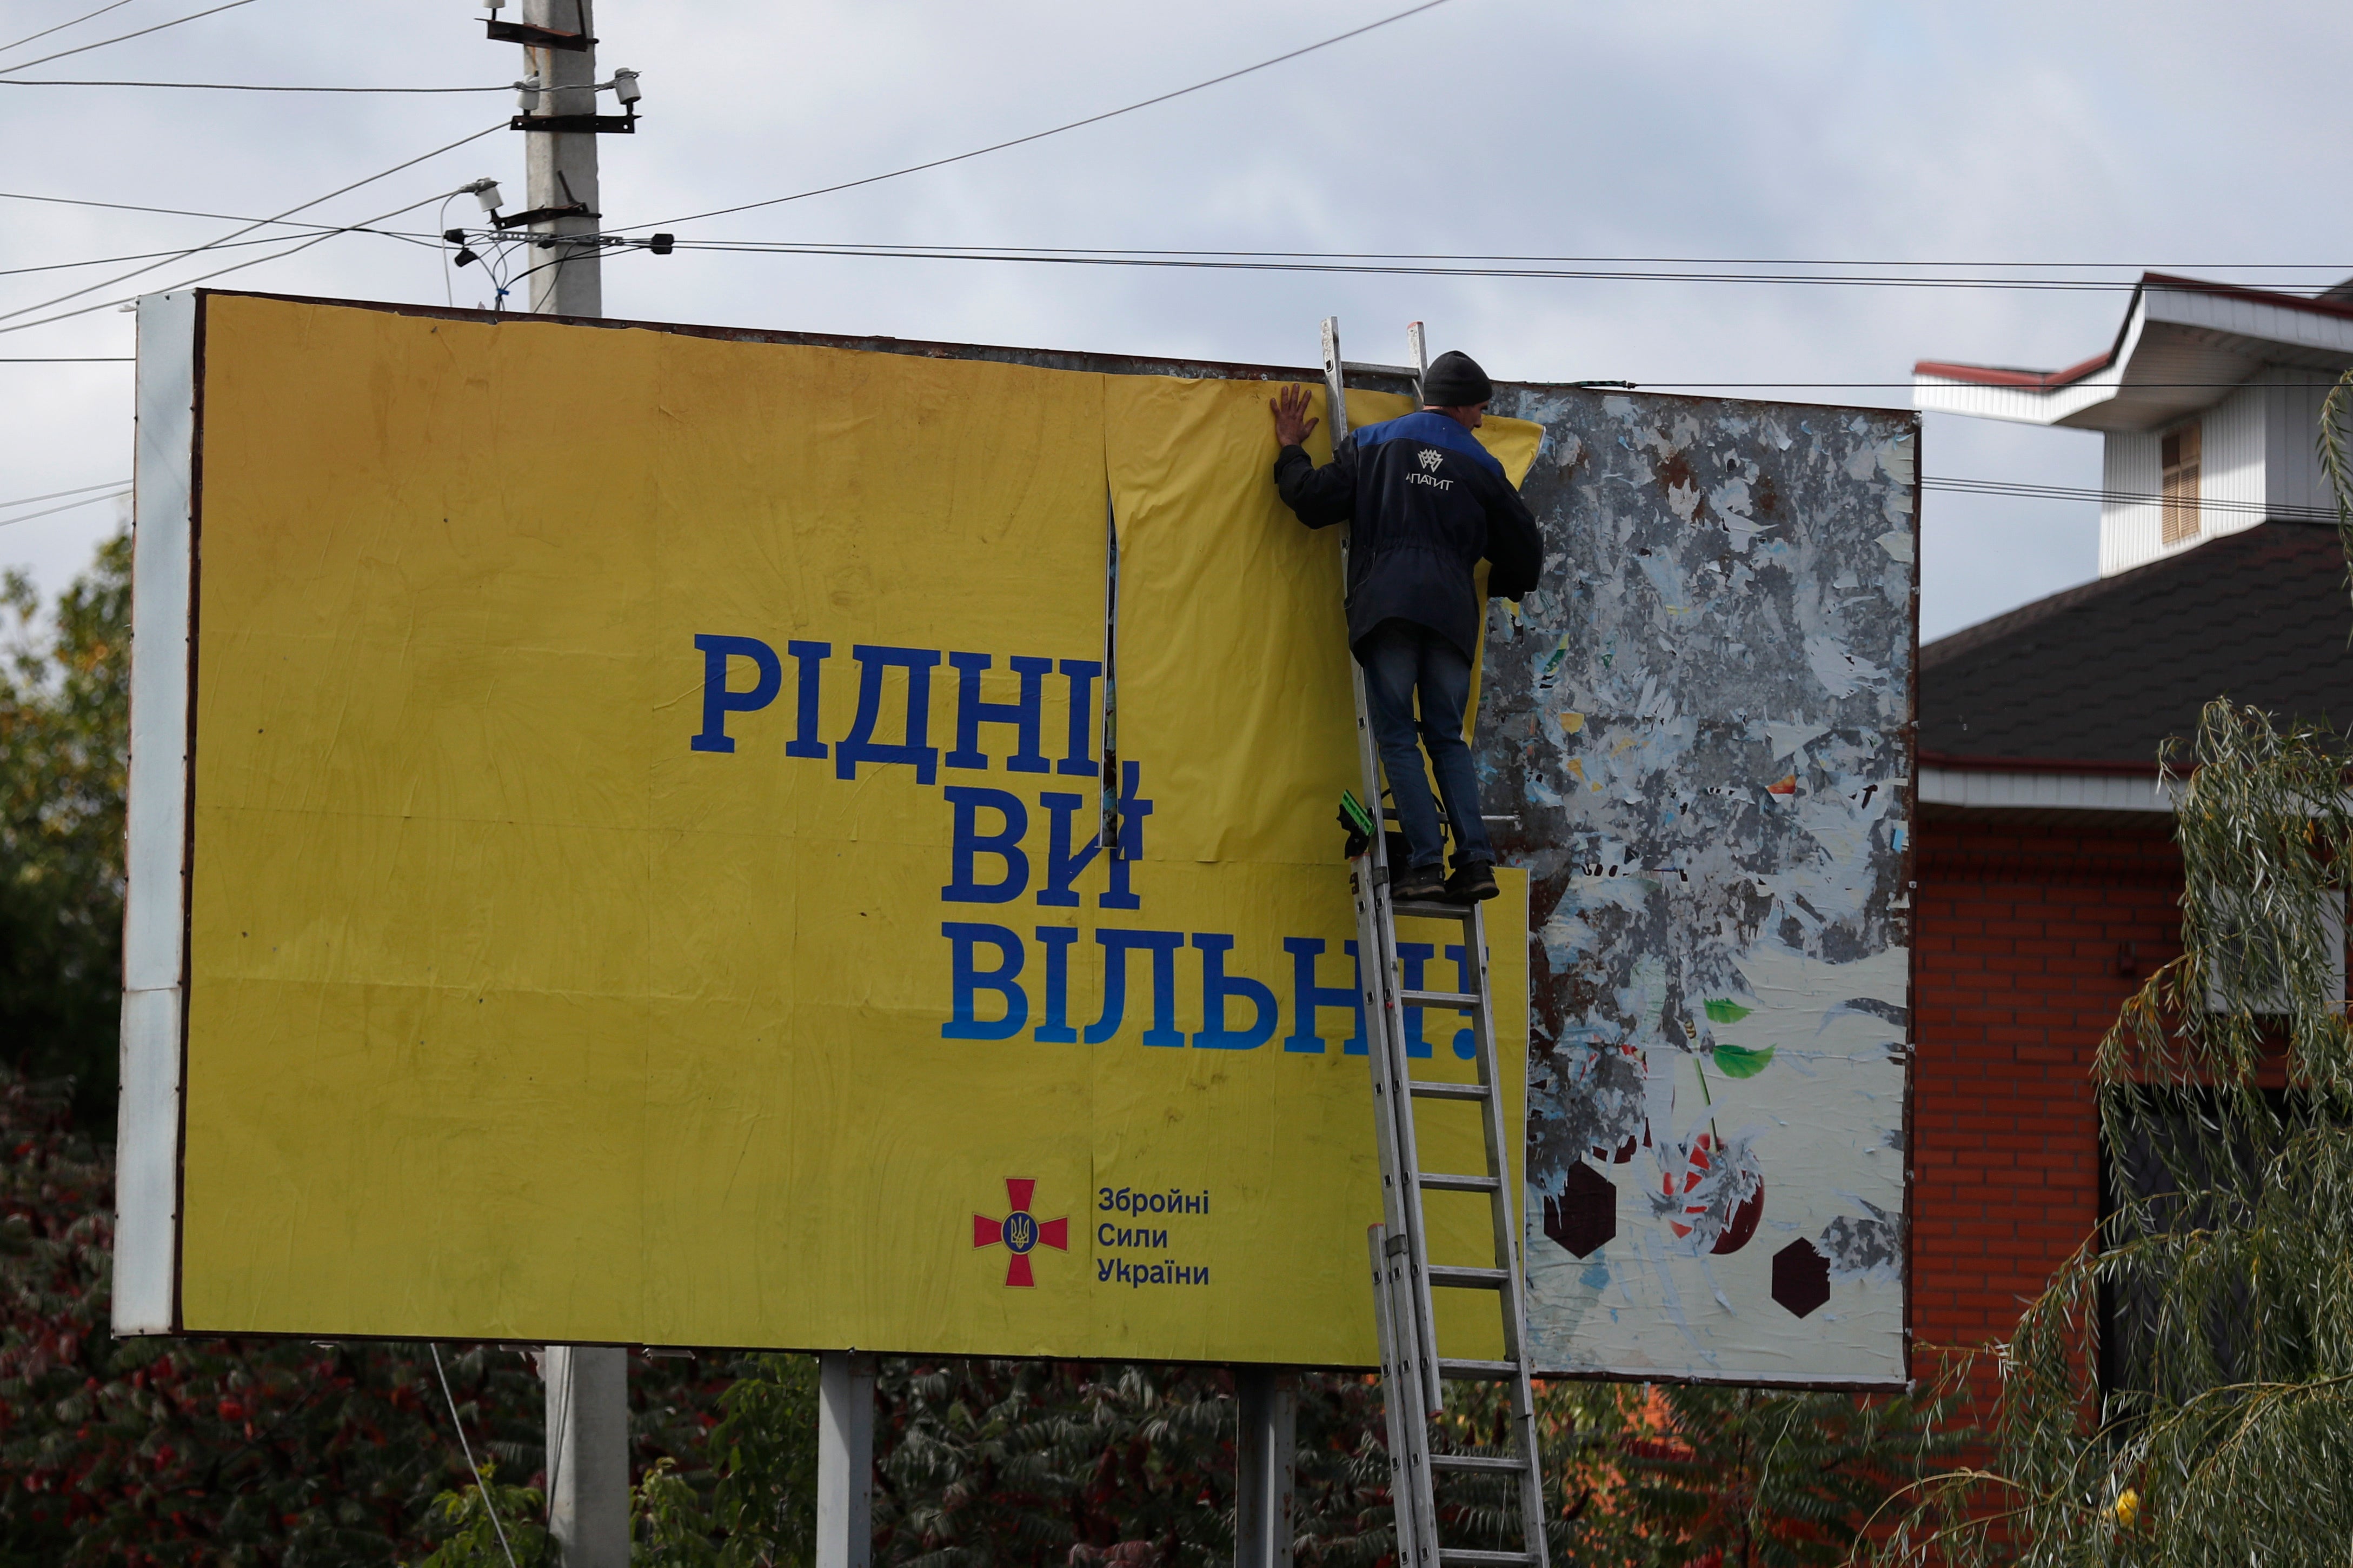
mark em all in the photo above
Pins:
pixel 527 95
pixel 625 86
pixel 487 193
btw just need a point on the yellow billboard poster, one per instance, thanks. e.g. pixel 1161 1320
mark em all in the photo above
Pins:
pixel 618 854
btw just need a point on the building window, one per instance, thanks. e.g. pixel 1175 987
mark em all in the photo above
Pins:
pixel 2256 972
pixel 2179 451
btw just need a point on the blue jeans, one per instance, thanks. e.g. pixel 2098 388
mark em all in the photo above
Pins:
pixel 1400 659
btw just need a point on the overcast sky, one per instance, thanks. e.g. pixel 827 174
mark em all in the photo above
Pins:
pixel 1987 135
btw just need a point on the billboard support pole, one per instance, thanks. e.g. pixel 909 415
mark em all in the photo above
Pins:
pixel 1266 1465
pixel 588 1454
pixel 845 1459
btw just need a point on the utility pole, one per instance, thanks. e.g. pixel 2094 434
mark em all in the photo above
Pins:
pixel 587 1386
pixel 560 166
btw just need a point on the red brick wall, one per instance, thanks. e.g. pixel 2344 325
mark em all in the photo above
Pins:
pixel 2023 933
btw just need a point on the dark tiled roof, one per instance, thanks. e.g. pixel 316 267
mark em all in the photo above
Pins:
pixel 2105 672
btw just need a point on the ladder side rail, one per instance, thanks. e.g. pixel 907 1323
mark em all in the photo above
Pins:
pixel 1368 756
pixel 1423 1315
pixel 1406 1505
pixel 1509 1255
pixel 1394 1124
pixel 1412 1483
pixel 1386 1090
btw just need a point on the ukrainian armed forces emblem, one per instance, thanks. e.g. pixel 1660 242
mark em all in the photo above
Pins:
pixel 1020 1232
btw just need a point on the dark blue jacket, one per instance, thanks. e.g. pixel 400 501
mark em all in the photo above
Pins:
pixel 1426 503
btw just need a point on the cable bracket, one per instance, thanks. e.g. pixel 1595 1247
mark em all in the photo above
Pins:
pixel 537 38
pixel 541 215
pixel 602 124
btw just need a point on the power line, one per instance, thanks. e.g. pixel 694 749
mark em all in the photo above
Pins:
pixel 1057 131
pixel 85 48
pixel 1273 262
pixel 2335 266
pixel 78 490
pixel 51 511
pixel 235 234
pixel 179 212
pixel 249 86
pixel 2004 487
pixel 861 247
pixel 61 27
pixel 147 255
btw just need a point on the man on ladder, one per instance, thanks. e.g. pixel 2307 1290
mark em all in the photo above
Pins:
pixel 1427 503
pixel 1424 503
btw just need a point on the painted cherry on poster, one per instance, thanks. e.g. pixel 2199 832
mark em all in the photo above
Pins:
pixel 1741 1225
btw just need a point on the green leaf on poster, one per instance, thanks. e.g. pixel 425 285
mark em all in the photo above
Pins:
pixel 1739 1061
pixel 1725 1010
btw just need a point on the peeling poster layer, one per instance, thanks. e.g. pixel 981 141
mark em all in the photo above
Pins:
pixel 1702 724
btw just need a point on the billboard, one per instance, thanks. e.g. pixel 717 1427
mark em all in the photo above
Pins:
pixel 671 835
pixel 641 878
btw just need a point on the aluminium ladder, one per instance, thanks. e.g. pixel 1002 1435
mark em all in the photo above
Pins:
pixel 1414 1374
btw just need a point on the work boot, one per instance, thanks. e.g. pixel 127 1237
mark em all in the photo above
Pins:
pixel 1472 881
pixel 1418 885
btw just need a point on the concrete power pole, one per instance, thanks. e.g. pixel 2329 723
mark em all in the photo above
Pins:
pixel 560 166
pixel 587 1386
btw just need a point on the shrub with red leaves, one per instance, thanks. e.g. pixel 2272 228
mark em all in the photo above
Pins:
pixel 154 1451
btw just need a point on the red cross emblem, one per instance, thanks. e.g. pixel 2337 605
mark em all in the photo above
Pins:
pixel 1019 1231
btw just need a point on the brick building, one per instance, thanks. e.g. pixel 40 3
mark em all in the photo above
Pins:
pixel 2048 878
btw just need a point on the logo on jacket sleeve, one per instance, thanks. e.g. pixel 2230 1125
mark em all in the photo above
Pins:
pixel 1020 1232
pixel 1431 458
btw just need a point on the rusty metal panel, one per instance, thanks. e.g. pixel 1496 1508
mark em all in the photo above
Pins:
pixel 1701 724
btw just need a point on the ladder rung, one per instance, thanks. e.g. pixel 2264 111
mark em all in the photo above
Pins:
pixel 1364 367
pixel 1470 1557
pixel 1478 1370
pixel 1425 1090
pixel 1433 910
pixel 1508 1463
pixel 1466 1000
pixel 1469 1278
pixel 1446 1183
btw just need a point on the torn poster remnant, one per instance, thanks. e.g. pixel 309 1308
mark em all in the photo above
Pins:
pixel 1702 724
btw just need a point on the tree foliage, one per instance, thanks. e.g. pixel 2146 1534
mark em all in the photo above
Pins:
pixel 64 746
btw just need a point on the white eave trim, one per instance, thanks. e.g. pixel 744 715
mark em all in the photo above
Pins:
pixel 2026 405
pixel 2204 311
pixel 2003 789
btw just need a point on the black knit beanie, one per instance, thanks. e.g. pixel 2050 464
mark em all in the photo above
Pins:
pixel 1455 381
